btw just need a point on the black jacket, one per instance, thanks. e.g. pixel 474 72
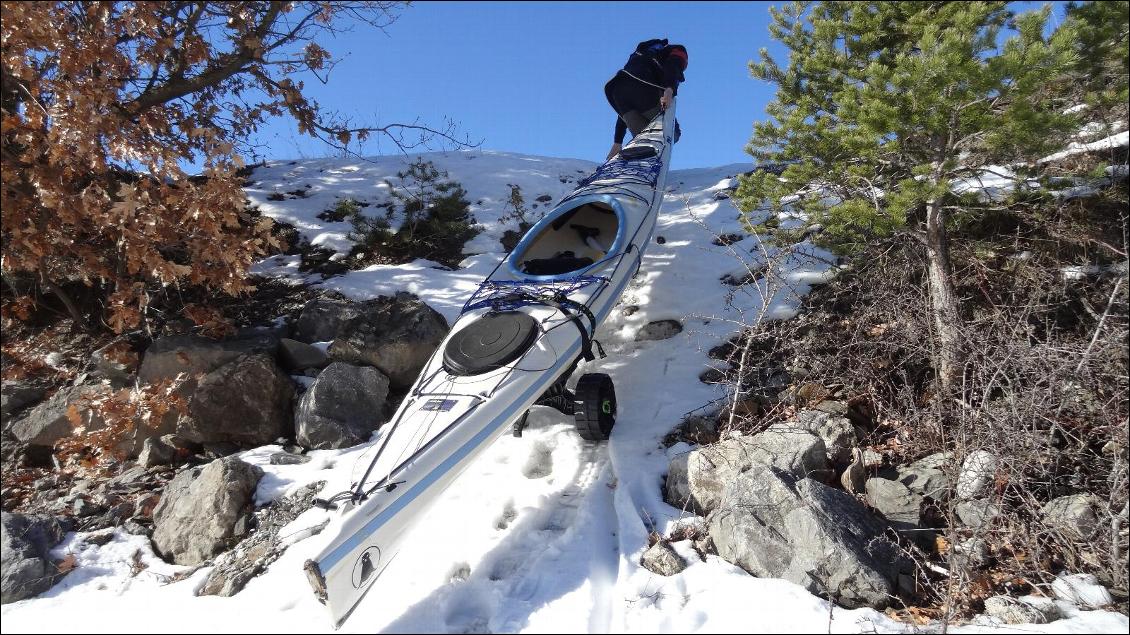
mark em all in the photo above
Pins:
pixel 639 85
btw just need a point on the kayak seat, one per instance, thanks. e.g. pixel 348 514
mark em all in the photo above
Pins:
pixel 561 263
pixel 489 343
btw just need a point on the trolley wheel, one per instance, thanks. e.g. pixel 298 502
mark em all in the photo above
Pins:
pixel 595 406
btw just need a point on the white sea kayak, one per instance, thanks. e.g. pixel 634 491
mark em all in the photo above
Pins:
pixel 518 339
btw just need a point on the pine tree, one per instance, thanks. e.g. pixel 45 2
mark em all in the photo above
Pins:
pixel 884 105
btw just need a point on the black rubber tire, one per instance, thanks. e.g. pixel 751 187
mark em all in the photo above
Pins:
pixel 595 412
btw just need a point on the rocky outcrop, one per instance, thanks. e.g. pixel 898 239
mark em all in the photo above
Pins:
pixel 342 408
pixel 246 402
pixel 323 317
pixel 1077 515
pixel 695 480
pixel 775 526
pixel 205 511
pixel 26 566
pixel 928 477
pixel 115 362
pixel 57 417
pixel 252 556
pixel 192 355
pixel 395 335
pixel 15 396
pixel 294 356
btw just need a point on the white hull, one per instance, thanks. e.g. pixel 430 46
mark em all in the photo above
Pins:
pixel 447 420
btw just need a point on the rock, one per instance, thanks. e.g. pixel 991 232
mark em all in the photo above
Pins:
pixel 1083 590
pixel 26 568
pixel 1013 611
pixel 48 422
pixel 294 356
pixel 168 449
pixel 835 408
pixel 976 514
pixel 806 393
pixel 286 458
pixel 205 511
pixel 16 396
pixel 1077 515
pixel 662 559
pixel 322 318
pixel 695 480
pixel 659 330
pixel 806 533
pixel 854 477
pixel 396 335
pixel 900 506
pixel 343 407
pixel 252 557
pixel 927 476
pixel 246 402
pixel 194 355
pixel 115 362
pixel 977 474
pixel 837 432
pixel 82 507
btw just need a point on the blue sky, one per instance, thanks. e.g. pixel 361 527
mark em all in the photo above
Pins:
pixel 528 77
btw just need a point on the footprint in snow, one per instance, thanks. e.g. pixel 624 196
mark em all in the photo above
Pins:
pixel 506 517
pixel 540 463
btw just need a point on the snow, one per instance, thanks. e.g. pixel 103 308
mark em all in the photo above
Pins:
pixel 1081 589
pixel 1119 140
pixel 542 533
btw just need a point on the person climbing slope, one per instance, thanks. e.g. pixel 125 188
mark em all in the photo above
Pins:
pixel 645 86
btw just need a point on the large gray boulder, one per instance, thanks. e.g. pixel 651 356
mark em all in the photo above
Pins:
pixel 396 335
pixel 51 420
pixel 192 355
pixel 929 477
pixel 15 396
pixel 26 568
pixel 115 362
pixel 323 317
pixel 894 501
pixel 805 532
pixel 251 557
pixel 246 402
pixel 342 408
pixel 901 508
pixel 695 480
pixel 836 431
pixel 1077 515
pixel 294 356
pixel 205 511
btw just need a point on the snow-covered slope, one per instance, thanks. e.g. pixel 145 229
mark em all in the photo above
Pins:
pixel 543 533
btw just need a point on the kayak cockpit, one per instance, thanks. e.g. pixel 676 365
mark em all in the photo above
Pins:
pixel 570 239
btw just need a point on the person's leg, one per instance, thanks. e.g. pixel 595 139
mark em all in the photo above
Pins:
pixel 636 122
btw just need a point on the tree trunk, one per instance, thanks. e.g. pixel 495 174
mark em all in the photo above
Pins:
pixel 943 300
pixel 69 304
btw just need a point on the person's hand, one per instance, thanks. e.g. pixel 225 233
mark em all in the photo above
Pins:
pixel 665 100
pixel 616 147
